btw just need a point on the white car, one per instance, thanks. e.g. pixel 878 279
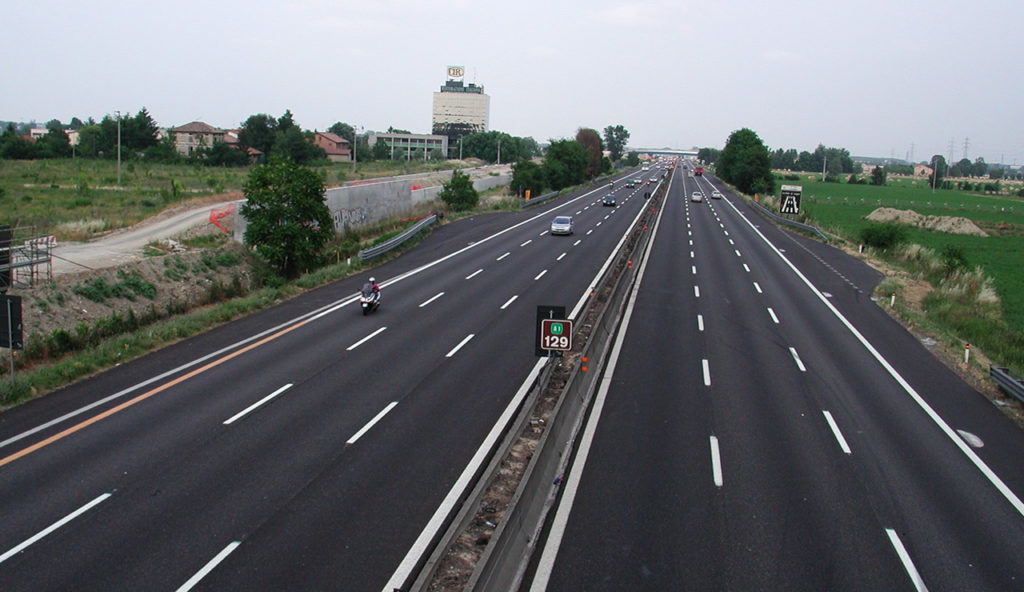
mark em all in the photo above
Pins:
pixel 696 196
pixel 562 225
pixel 716 194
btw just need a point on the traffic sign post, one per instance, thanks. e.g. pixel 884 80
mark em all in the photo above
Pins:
pixel 552 331
pixel 556 335
pixel 10 325
pixel 789 202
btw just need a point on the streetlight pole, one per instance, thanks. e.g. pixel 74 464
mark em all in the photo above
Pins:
pixel 460 148
pixel 118 148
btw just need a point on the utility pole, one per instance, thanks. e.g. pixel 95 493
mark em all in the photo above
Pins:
pixel 118 148
pixel 499 150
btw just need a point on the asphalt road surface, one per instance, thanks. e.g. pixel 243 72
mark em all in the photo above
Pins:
pixel 306 447
pixel 750 439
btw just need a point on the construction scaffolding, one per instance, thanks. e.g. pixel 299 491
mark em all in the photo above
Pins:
pixel 26 257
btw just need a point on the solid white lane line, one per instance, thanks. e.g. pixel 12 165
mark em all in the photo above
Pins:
pixel 540 275
pixel 578 241
pixel 758 288
pixel 502 257
pixel 908 564
pixel 53 527
pixel 426 302
pixel 987 471
pixel 474 274
pixel 796 358
pixel 746 268
pixel 774 318
pixel 835 431
pixel 706 368
pixel 716 462
pixel 257 404
pixel 700 322
pixel 372 422
pixel 560 257
pixel 509 301
pixel 696 291
pixel 459 346
pixel 208 567
pixel 526 243
pixel 365 339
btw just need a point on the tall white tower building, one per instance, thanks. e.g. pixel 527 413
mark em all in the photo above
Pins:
pixel 460 109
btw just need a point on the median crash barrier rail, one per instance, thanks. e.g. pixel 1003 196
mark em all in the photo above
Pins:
pixel 527 203
pixel 1008 381
pixel 395 241
pixel 504 562
pixel 780 219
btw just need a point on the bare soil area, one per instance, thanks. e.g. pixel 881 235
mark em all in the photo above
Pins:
pixel 950 224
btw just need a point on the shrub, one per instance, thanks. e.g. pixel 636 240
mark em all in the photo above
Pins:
pixel 954 259
pixel 883 236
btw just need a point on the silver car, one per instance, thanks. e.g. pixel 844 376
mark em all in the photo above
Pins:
pixel 562 225
pixel 696 196
pixel 716 194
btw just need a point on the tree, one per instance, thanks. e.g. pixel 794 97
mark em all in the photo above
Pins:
pixel 938 164
pixel 527 175
pixel 745 163
pixel 591 143
pixel 565 163
pixel 979 168
pixel 222 154
pixel 708 155
pixel 294 144
pixel 878 176
pixel 344 130
pixel 381 150
pixel 288 221
pixel 54 144
pixel 139 132
pixel 258 132
pixel 459 193
pixel 616 137
pixel 632 159
pixel 995 172
pixel 964 166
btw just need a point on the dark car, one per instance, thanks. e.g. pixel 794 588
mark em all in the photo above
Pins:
pixel 608 200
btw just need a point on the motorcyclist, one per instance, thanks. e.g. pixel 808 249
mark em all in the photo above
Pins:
pixel 371 286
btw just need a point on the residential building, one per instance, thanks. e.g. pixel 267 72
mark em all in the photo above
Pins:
pixel 922 170
pixel 194 136
pixel 335 147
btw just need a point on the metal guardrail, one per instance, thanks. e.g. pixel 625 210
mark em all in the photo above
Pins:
pixel 789 222
pixel 540 199
pixel 1009 381
pixel 395 241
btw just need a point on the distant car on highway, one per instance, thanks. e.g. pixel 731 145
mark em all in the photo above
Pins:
pixel 629 182
pixel 652 180
pixel 638 181
pixel 608 200
pixel 562 225
pixel 716 194
pixel 696 196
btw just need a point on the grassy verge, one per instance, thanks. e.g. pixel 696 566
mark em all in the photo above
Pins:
pixel 144 334
pixel 980 299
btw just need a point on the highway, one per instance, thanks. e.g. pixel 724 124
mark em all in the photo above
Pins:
pixel 767 427
pixel 305 447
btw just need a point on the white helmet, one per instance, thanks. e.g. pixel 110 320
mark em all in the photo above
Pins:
pixel 372 280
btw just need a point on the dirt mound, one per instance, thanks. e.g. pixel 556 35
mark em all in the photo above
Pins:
pixel 950 224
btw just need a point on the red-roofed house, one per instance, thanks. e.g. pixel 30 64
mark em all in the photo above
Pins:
pixel 336 147
pixel 195 135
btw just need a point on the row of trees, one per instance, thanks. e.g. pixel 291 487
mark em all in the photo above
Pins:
pixel 571 162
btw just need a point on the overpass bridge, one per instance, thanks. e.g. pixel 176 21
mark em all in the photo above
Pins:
pixel 690 153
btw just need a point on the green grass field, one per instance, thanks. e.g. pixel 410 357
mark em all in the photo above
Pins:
pixel 841 208
pixel 73 199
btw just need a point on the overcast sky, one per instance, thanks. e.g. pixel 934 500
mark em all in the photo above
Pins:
pixel 874 76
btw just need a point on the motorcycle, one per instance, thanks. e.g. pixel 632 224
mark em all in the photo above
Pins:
pixel 369 299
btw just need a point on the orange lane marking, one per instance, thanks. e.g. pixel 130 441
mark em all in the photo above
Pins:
pixel 145 395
